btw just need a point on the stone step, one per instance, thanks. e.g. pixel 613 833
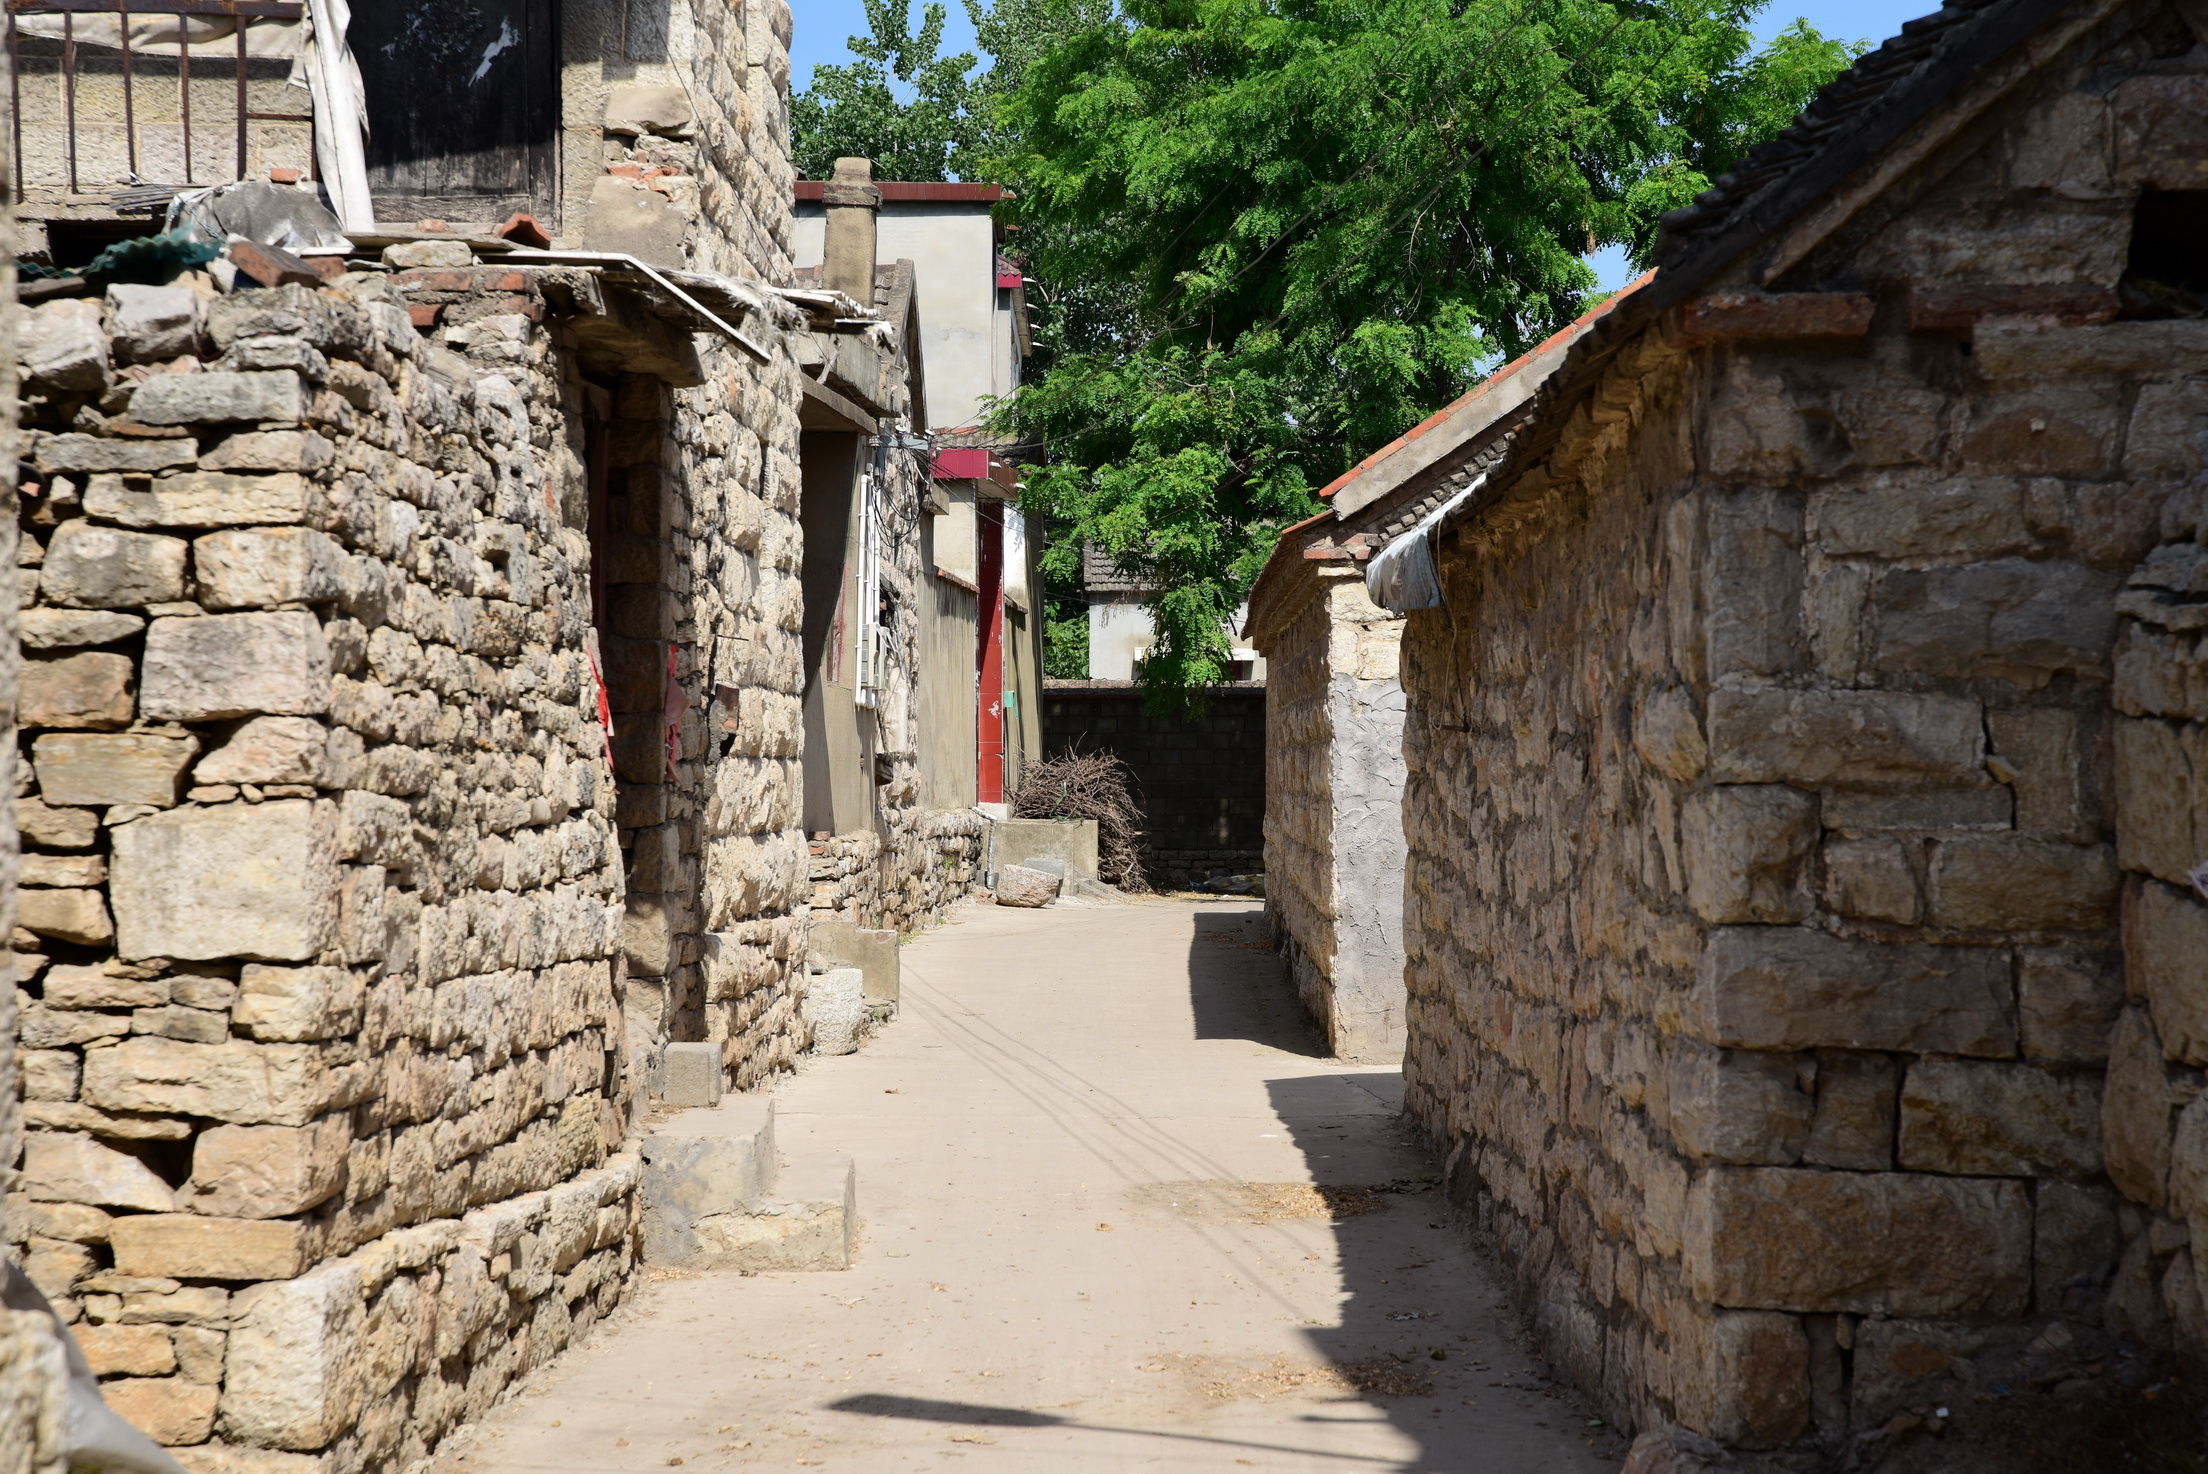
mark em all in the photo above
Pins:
pixel 702 1164
pixel 811 1222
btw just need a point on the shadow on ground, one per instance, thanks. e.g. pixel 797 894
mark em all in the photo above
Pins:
pixel 1239 989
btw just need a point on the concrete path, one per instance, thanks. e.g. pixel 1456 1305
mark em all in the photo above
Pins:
pixel 1086 1154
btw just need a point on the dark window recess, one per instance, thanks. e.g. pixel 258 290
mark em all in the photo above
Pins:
pixel 463 104
pixel 2167 275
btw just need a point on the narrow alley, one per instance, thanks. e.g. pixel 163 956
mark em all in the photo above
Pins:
pixel 1087 1153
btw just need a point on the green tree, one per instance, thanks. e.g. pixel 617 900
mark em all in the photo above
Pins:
pixel 1307 224
pixel 899 103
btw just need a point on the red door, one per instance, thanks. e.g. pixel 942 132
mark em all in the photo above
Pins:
pixel 989 518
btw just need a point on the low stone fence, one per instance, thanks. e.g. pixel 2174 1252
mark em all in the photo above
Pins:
pixel 932 859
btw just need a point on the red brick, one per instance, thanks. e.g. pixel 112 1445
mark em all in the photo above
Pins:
pixel 424 315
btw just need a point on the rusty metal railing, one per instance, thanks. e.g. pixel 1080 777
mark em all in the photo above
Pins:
pixel 241 11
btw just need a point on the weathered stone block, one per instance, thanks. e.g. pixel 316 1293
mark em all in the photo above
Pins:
pixel 1746 849
pixel 175 1021
pixel 1853 1127
pixel 267 1171
pixel 2161 136
pixel 2155 785
pixel 153 323
pixel 1874 879
pixel 637 109
pixel 1983 1119
pixel 168 1410
pixel 240 880
pixel 236 665
pixel 67 1167
pixel 1891 1243
pixel 298 1003
pixel 200 499
pixel 2189 1168
pixel 2074 1239
pixel 268 750
pixel 2137 1100
pixel 1848 739
pixel 92 454
pixel 55 828
pixel 1753 584
pixel 1899 1362
pixel 1667 733
pixel 185 399
pixel 1757 1378
pixel 1792 988
pixel 270 450
pixel 2040 749
pixel 627 217
pixel 1019 886
pixel 690 1075
pixel 1991 882
pixel 2067 1004
pixel 95 567
pixel 90 690
pixel 78 916
pixel 2015 619
pixel 1959 517
pixel 286 1084
pixel 189 1246
pixel 62 629
pixel 125 768
pixel 255 568
pixel 95 987
pixel 1735 1105
pixel 127 1351
pixel 63 343
pixel 2169 427
pixel 2166 962
pixel 1988 806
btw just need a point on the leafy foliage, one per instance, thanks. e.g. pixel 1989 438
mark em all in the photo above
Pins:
pixel 860 110
pixel 1300 226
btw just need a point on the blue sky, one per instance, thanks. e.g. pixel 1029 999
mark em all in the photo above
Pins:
pixel 823 27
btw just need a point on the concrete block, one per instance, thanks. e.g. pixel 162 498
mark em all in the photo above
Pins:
pixel 201 499
pixel 840 943
pixel 185 399
pixel 240 880
pixel 701 1164
pixel 1794 988
pixel 835 1006
pixel 122 768
pixel 811 1222
pixel 236 665
pixel 92 566
pixel 690 1075
pixel 151 324
pixel 189 1246
pixel 1892 1243
pixel 75 691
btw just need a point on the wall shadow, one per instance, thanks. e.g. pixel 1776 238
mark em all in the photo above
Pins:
pixel 1235 986
pixel 1414 1284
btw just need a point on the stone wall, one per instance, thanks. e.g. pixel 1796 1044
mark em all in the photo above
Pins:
pixel 1201 782
pixel 932 859
pixel 1333 825
pixel 1763 928
pixel 323 1065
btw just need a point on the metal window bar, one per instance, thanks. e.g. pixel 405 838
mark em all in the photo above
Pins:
pixel 240 10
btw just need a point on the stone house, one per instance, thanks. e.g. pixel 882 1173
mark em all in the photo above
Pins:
pixel 1804 909
pixel 1334 846
pixel 412 719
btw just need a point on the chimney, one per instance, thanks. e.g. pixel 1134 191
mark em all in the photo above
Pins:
pixel 852 199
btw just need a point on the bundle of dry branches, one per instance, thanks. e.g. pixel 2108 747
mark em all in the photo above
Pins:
pixel 1090 786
